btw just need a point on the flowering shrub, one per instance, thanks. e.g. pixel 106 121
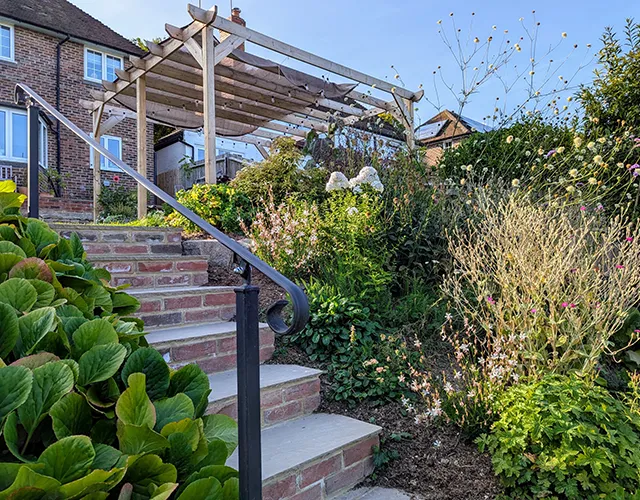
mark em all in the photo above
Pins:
pixel 287 236
pixel 563 437
pixel 219 204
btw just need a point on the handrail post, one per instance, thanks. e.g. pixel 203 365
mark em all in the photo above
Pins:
pixel 33 159
pixel 248 350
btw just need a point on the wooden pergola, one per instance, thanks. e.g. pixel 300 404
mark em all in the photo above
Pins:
pixel 192 80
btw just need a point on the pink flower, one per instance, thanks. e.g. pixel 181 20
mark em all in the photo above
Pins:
pixel 565 304
pixel 583 208
pixel 490 300
pixel 534 311
pixel 572 305
pixel 629 238
pixel 574 270
pixel 619 266
pixel 116 178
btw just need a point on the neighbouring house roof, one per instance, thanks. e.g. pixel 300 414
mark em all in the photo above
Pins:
pixel 63 17
pixel 448 125
pixel 168 140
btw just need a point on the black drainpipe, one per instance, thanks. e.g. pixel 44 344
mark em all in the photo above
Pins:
pixel 56 186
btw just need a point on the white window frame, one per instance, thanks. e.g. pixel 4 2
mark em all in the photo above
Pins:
pixel 12 42
pixel 103 58
pixel 106 167
pixel 43 160
pixel 448 144
pixel 197 148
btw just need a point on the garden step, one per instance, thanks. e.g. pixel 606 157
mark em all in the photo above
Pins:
pixel 315 457
pixel 99 239
pixel 211 345
pixel 154 271
pixel 286 392
pixel 173 306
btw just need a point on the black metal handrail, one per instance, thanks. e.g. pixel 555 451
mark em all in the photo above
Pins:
pixel 248 343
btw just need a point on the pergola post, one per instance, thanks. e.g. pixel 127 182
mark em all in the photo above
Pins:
pixel 209 93
pixel 97 183
pixel 141 101
pixel 411 136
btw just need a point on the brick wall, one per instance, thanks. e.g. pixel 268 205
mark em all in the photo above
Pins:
pixel 35 65
pixel 433 152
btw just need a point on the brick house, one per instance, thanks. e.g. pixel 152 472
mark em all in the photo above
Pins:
pixel 443 131
pixel 62 53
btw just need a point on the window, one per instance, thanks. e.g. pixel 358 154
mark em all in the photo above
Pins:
pixel 114 146
pixel 99 66
pixel 447 145
pixel 13 137
pixel 199 156
pixel 6 42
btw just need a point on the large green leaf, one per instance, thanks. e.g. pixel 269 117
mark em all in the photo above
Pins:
pixel 12 248
pixel 95 332
pixel 136 440
pixel 180 453
pixel 221 472
pixel 15 386
pixel 231 489
pixel 173 409
pixel 221 427
pixel 147 470
pixel 134 406
pixel 19 294
pixel 50 383
pixel 124 304
pixel 41 234
pixel 193 382
pixel 68 459
pixel 150 362
pixel 34 326
pixel 8 260
pixel 35 360
pixel 106 456
pixel 30 485
pixel 8 473
pixel 77 249
pixel 94 482
pixel 217 454
pixel 100 363
pixel 203 489
pixel 46 293
pixel 70 416
pixel 9 329
pixel 163 492
pixel 13 438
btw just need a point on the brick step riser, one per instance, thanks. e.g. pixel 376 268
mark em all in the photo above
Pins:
pixel 156 274
pixel 123 240
pixel 277 404
pixel 327 477
pixel 168 310
pixel 213 355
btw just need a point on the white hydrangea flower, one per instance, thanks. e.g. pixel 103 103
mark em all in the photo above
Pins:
pixel 352 211
pixel 368 175
pixel 337 181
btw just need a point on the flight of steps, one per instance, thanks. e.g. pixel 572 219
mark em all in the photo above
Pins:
pixel 305 455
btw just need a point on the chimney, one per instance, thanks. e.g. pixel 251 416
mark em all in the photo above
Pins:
pixel 234 18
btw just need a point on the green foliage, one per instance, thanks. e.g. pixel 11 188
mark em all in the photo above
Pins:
pixel 565 438
pixel 336 321
pixel 614 95
pixel 281 175
pixel 118 203
pixel 87 410
pixel 219 204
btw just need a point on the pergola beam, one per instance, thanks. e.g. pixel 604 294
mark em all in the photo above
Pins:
pixel 304 56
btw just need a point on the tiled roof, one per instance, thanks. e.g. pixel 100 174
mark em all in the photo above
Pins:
pixel 65 18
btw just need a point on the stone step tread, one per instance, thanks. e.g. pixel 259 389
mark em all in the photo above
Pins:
pixel 224 384
pixel 116 227
pixel 177 290
pixel 294 443
pixel 145 257
pixel 195 331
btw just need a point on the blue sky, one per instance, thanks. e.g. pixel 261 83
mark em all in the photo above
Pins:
pixel 372 35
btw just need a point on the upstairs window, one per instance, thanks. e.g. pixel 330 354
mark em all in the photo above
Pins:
pixel 13 137
pixel 6 42
pixel 199 156
pixel 99 66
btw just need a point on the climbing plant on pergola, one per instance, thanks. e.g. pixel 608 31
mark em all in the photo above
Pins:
pixel 193 80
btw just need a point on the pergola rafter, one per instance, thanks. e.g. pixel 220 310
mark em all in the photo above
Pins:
pixel 190 80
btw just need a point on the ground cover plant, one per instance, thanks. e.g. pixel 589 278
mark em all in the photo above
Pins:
pixel 87 409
